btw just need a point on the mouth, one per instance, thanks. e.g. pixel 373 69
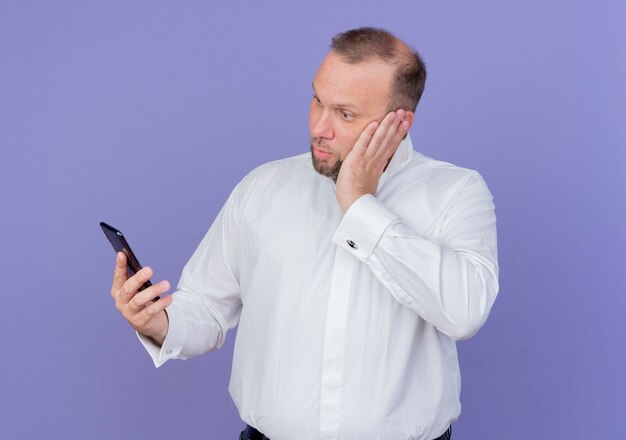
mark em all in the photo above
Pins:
pixel 321 154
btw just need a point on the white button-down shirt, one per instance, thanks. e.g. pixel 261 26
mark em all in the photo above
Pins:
pixel 347 323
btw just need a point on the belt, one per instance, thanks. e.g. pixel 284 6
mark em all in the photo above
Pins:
pixel 252 434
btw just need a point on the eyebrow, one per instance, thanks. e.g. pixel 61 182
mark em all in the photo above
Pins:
pixel 337 106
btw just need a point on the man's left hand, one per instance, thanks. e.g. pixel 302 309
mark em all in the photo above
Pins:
pixel 364 165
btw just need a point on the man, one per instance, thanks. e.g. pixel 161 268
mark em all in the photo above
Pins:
pixel 350 273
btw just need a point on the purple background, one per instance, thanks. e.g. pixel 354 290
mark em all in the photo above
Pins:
pixel 146 114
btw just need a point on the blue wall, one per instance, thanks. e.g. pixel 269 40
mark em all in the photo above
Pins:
pixel 145 114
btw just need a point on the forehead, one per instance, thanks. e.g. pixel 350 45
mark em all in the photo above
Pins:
pixel 365 85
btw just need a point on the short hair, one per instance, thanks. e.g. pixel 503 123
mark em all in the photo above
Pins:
pixel 366 43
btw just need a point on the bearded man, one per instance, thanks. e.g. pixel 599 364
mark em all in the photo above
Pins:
pixel 351 271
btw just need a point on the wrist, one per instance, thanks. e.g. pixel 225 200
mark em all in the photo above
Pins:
pixel 158 335
pixel 346 201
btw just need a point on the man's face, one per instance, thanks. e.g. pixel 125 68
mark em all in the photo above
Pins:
pixel 346 98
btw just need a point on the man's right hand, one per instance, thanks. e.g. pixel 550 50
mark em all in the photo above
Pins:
pixel 146 316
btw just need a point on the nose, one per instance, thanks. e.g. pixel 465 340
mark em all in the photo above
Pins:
pixel 321 124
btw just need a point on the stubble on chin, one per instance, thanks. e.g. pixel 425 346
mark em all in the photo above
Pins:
pixel 328 169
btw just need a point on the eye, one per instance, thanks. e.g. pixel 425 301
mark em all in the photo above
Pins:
pixel 346 116
pixel 317 100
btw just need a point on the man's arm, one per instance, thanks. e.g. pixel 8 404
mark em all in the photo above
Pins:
pixel 207 301
pixel 450 282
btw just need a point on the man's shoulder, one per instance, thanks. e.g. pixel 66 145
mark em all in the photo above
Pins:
pixel 290 164
pixel 278 171
pixel 431 168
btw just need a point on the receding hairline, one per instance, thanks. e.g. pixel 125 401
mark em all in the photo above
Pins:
pixel 400 48
pixel 370 44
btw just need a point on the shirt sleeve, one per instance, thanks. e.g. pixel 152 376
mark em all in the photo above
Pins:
pixel 207 302
pixel 451 281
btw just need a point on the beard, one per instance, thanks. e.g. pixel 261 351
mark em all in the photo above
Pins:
pixel 328 169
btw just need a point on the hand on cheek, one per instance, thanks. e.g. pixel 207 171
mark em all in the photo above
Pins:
pixel 365 164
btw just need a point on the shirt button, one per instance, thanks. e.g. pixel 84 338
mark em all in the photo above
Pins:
pixel 168 351
pixel 352 244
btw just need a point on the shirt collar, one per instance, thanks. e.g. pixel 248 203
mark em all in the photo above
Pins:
pixel 401 157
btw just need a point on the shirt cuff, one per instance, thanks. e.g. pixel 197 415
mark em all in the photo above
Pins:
pixel 363 225
pixel 174 340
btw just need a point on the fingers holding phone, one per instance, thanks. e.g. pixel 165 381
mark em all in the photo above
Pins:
pixel 120 275
pixel 143 309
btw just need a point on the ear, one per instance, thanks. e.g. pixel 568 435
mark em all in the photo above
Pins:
pixel 409 117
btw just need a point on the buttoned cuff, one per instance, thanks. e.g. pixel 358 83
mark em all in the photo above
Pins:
pixel 174 340
pixel 363 225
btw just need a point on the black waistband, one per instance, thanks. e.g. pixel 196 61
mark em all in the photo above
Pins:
pixel 253 434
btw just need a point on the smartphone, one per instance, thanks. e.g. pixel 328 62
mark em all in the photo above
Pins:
pixel 119 243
